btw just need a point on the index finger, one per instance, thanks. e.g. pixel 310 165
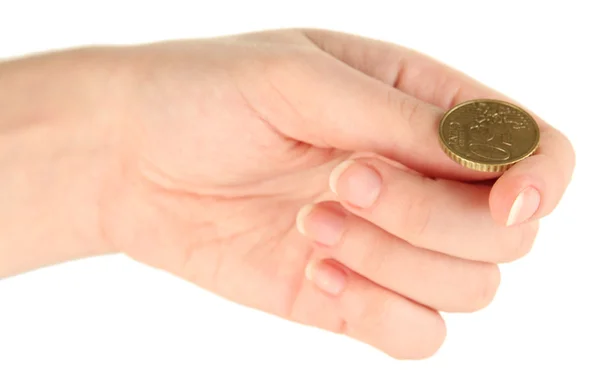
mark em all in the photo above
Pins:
pixel 530 189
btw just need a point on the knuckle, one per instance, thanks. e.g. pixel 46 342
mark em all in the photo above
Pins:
pixel 482 293
pixel 410 110
pixel 372 253
pixel 278 67
pixel 376 313
pixel 417 216
pixel 381 317
pixel 434 337
pixel 371 249
pixel 370 314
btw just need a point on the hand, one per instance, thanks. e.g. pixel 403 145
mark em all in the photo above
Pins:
pixel 223 146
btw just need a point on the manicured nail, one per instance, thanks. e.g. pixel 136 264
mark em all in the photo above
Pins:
pixel 356 183
pixel 323 225
pixel 524 206
pixel 326 276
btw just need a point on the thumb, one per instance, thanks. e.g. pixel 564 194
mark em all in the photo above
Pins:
pixel 336 106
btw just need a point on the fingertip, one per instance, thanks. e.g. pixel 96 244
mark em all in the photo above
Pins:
pixel 548 173
pixel 514 200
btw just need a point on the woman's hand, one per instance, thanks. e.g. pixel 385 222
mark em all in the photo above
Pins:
pixel 225 140
pixel 247 164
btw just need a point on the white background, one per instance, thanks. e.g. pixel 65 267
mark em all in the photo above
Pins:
pixel 110 320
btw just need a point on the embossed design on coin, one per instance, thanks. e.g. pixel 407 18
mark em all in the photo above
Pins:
pixel 488 135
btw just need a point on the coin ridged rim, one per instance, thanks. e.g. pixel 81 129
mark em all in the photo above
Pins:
pixel 480 166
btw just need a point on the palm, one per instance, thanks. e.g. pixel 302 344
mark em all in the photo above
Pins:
pixel 218 212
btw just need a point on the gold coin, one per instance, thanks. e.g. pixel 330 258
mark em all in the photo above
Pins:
pixel 488 135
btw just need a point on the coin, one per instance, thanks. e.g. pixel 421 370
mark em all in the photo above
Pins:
pixel 488 135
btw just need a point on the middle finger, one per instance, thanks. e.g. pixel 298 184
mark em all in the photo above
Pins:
pixel 441 215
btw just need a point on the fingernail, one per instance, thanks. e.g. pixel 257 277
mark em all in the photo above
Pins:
pixel 326 277
pixel 301 217
pixel 323 225
pixel 524 206
pixel 355 183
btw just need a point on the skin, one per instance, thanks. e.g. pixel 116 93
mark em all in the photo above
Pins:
pixel 215 160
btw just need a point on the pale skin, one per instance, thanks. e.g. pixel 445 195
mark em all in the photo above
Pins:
pixel 296 171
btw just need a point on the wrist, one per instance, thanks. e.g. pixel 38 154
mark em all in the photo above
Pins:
pixel 58 138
